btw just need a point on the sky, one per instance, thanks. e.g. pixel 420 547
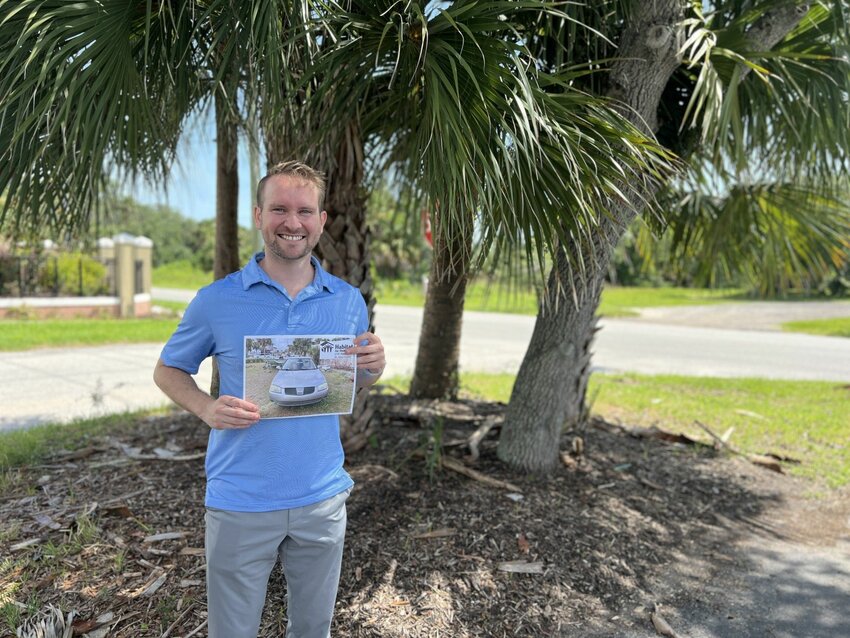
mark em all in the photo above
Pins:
pixel 191 186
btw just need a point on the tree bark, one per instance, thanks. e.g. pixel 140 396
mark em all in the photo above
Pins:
pixel 226 259
pixel 550 391
pixel 435 375
pixel 226 191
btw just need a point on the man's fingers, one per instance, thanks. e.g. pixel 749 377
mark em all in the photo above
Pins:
pixel 238 404
pixel 232 413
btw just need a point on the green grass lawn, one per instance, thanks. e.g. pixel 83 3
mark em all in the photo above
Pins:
pixel 44 333
pixel 31 445
pixel 617 301
pixel 839 327
pixel 806 420
pixel 484 296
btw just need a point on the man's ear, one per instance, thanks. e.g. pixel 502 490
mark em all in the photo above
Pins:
pixel 257 215
pixel 323 216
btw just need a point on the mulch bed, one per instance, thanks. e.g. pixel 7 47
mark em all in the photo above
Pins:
pixel 113 531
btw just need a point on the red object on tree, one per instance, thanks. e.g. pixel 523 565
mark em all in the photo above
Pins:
pixel 426 228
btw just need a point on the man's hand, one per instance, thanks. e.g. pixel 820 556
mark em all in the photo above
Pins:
pixel 370 357
pixel 230 413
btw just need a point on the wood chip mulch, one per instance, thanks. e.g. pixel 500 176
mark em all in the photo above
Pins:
pixel 108 538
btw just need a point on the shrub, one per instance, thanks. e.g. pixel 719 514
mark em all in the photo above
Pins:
pixel 73 274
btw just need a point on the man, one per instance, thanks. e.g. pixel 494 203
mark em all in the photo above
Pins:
pixel 275 488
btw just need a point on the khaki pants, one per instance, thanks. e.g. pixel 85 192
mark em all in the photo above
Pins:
pixel 241 550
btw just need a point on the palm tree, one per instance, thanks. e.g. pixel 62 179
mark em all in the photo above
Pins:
pixel 453 103
pixel 759 85
pixel 99 90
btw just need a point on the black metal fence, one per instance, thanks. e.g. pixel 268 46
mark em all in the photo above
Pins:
pixel 53 275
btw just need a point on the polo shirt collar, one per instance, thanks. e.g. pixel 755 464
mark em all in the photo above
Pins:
pixel 253 274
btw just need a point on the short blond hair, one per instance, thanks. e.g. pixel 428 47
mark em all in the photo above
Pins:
pixel 294 168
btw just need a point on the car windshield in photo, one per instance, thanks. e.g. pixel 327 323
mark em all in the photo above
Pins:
pixel 299 363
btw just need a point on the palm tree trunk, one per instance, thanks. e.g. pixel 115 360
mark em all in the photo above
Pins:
pixel 435 375
pixel 551 386
pixel 344 251
pixel 226 259
pixel 549 393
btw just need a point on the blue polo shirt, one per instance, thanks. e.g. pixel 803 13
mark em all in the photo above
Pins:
pixel 276 463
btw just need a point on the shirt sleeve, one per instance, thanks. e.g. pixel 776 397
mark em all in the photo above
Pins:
pixel 193 341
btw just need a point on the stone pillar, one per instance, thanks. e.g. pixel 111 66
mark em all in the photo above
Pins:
pixel 125 271
pixel 144 254
pixel 142 300
pixel 106 256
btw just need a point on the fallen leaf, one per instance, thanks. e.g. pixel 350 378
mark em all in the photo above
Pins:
pixel 83 626
pixel 189 582
pixel 568 460
pixel 522 543
pixel 766 462
pixel 151 589
pixel 45 521
pixel 147 590
pixel 662 627
pixel 105 618
pixel 119 510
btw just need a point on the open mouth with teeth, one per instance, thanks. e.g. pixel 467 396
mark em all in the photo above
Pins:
pixel 291 237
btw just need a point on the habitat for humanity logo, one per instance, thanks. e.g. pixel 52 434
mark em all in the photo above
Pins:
pixel 334 347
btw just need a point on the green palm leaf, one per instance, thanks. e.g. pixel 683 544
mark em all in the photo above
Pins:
pixel 458 106
pixel 776 236
pixel 98 89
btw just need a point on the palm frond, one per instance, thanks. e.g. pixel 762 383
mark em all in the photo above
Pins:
pixel 96 90
pixel 461 108
pixel 782 111
pixel 776 236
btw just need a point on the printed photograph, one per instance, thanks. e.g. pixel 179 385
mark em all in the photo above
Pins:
pixel 290 376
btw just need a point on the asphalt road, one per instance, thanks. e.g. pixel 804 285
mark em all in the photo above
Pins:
pixel 62 384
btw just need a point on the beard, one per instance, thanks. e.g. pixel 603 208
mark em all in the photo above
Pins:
pixel 290 253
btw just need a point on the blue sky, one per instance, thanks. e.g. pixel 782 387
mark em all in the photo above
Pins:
pixel 191 186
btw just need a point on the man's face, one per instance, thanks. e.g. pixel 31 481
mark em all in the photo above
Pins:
pixel 289 220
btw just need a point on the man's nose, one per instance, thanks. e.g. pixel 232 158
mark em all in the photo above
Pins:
pixel 290 220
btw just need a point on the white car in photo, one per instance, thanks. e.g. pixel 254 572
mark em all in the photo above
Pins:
pixel 298 382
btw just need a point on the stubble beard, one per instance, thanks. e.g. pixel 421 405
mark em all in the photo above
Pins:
pixel 278 251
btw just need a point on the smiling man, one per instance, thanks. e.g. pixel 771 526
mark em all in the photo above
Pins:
pixel 276 488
